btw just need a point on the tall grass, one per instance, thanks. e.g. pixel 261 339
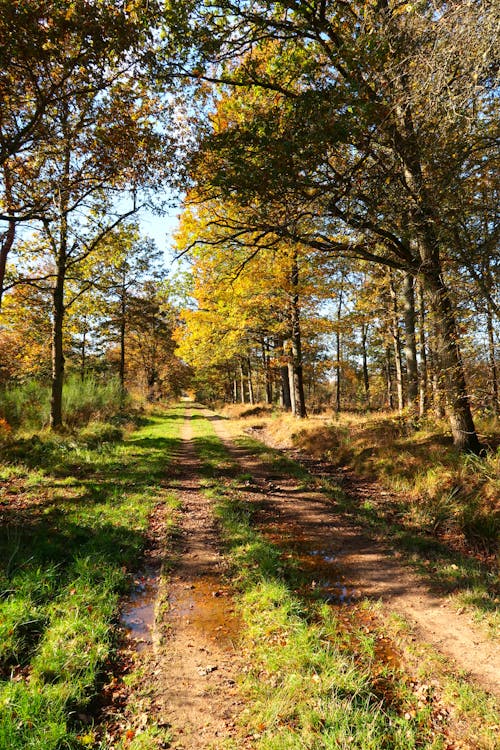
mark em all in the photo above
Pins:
pixel 27 405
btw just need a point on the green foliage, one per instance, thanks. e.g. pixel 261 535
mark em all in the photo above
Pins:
pixel 27 406
pixel 90 398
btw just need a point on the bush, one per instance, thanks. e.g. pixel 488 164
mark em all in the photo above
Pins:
pixel 27 405
pixel 88 399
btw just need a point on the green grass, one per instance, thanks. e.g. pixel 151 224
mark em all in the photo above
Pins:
pixel 73 518
pixel 310 683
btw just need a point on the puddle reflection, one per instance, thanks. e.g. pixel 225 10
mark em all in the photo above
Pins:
pixel 138 614
pixel 320 566
pixel 207 606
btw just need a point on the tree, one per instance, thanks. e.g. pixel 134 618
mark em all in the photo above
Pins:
pixel 366 127
pixel 53 54
pixel 86 162
pixel 122 263
pixel 251 312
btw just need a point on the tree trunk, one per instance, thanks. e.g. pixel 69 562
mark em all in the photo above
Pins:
pixel 437 391
pixel 242 384
pixel 10 234
pixel 266 360
pixel 422 223
pixel 396 340
pixel 251 397
pixel 61 247
pixel 388 378
pixel 410 340
pixel 286 395
pixel 338 342
pixel 450 361
pixel 57 337
pixel 366 380
pixel 423 383
pixel 493 366
pixel 291 388
pixel 84 356
pixel 123 311
pixel 152 378
pixel 296 341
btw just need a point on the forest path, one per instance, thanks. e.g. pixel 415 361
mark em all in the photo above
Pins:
pixel 194 664
pixel 349 566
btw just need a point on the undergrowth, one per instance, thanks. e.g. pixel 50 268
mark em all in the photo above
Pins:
pixel 73 511
pixel 27 406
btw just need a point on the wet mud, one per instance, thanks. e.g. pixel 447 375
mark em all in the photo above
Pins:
pixel 205 606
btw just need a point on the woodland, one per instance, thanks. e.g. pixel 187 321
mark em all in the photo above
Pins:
pixel 338 167
pixel 334 275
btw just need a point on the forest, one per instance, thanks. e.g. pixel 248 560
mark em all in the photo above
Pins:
pixel 330 290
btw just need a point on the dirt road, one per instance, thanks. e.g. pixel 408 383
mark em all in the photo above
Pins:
pixel 195 663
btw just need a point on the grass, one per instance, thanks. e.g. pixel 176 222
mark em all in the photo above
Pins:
pixel 74 511
pixel 311 681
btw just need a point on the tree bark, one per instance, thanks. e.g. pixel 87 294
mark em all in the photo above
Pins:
pixel 338 342
pixel 388 378
pixel 410 340
pixel 251 397
pixel 366 379
pixel 58 292
pixel 396 341
pixel 267 371
pixel 57 333
pixel 83 365
pixel 291 388
pixel 424 376
pixel 296 342
pixel 10 234
pixel 242 384
pixel 493 366
pixel 450 361
pixel 123 313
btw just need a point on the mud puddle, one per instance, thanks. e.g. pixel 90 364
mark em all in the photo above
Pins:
pixel 138 614
pixel 320 566
pixel 205 606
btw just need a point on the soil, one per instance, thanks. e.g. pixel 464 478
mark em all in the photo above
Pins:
pixel 191 659
pixel 349 565
pixel 191 668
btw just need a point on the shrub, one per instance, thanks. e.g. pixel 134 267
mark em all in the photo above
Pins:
pixel 27 405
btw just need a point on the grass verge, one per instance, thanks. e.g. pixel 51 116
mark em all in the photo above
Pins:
pixel 73 517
